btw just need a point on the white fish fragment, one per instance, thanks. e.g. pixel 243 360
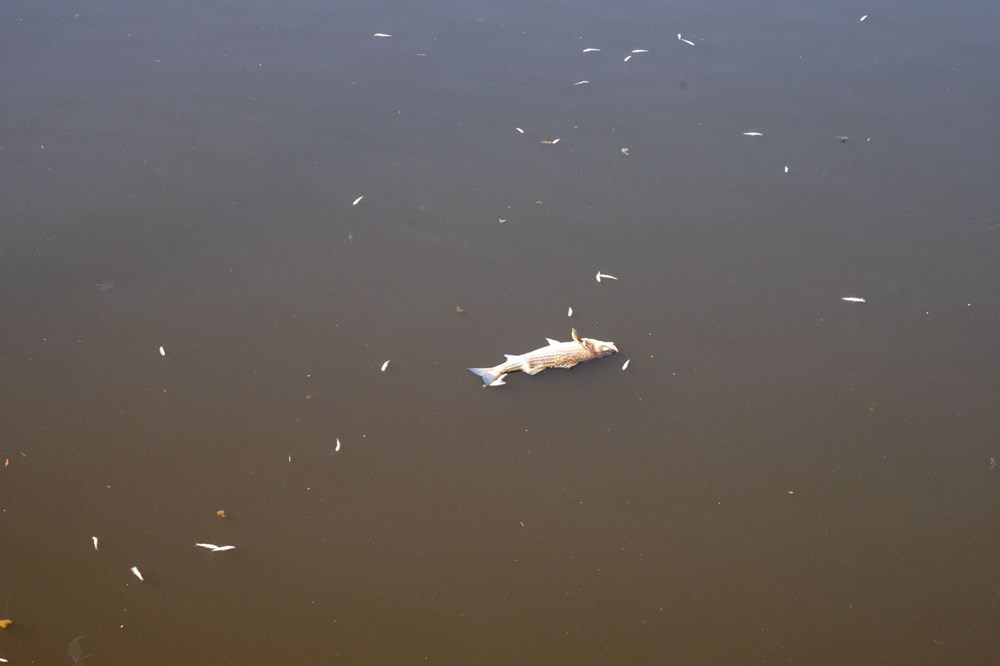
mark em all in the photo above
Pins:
pixel 138 574
pixel 752 134
pixel 601 276
pixel 687 41
pixel 337 447
pixel 358 200
pixel 863 17
pixel 163 352
pixel 381 34
pixel 853 299
pixel 640 50
pixel 569 312
pixel 385 365
pixel 627 58
pixel 591 49
pixel 94 539
pixel 581 83
pixel 625 364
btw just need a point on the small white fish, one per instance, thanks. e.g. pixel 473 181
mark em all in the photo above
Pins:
pixel 601 276
pixel 640 50
pixel 501 220
pixel 358 200
pixel 137 573
pixel 591 49
pixel 853 299
pixel 94 539
pixel 786 168
pixel 163 352
pixel 625 152
pixel 687 41
pixel 337 447
pixel 385 365
pixel 381 34
pixel 215 549
pixel 550 142
pixel 627 58
pixel 580 83
pixel 625 364
pixel 752 134
pixel 519 130
pixel 863 17
pixel 223 548
pixel 569 312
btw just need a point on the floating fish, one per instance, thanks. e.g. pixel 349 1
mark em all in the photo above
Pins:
pixel 163 352
pixel 640 50
pixel 554 355
pixel 358 200
pixel 687 41
pixel 591 49
pixel 385 365
pixel 215 549
pixel 853 299
pixel 137 573
pixel 95 542
pixel 580 83
pixel 625 364
pixel 521 131
pixel 336 448
pixel 752 134
pixel 604 276
pixel 381 34
pixel 569 312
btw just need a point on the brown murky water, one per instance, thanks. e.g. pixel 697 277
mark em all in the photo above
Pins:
pixel 779 476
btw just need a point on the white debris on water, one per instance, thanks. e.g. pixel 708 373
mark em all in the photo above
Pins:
pixel 138 574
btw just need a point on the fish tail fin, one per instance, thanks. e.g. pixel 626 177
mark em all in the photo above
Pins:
pixel 490 376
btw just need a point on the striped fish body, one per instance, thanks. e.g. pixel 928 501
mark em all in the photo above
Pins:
pixel 554 355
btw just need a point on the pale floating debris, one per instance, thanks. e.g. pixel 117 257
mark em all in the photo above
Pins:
pixel 853 299
pixel 551 142
pixel 640 50
pixel 752 134
pixel 381 34
pixel 863 17
pixel 625 364
pixel 625 152
pixel 215 549
pixel 163 352
pixel 501 220
pixel 786 168
pixel 358 200
pixel 687 41
pixel 137 573
pixel 385 365
pixel 519 130
pixel 601 276
pixel 569 312
pixel 94 539
pixel 627 58
pixel 591 49
pixel 580 83
pixel 336 448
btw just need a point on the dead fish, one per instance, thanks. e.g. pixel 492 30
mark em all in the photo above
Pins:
pixel 554 355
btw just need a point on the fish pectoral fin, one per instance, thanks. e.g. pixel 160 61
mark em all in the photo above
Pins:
pixel 551 341
pixel 528 370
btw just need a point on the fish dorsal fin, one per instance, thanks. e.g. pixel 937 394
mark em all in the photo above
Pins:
pixel 576 336
pixel 551 341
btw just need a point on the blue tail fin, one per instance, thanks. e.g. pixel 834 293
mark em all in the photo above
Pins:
pixel 489 376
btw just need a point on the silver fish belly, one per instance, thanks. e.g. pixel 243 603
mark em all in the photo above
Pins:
pixel 554 355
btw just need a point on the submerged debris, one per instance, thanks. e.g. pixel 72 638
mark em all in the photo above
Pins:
pixel 75 652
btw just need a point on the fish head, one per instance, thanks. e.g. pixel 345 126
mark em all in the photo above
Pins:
pixel 600 347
